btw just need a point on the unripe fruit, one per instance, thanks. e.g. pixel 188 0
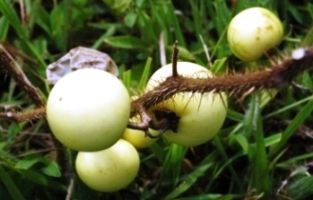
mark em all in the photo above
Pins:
pixel 108 170
pixel 88 110
pixel 138 138
pixel 254 31
pixel 200 115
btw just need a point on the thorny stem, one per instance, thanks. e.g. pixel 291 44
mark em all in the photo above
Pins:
pixel 234 84
pixel 237 84
pixel 37 113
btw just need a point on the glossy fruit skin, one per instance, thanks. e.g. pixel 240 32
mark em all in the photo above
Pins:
pixel 253 31
pixel 108 170
pixel 138 138
pixel 88 110
pixel 201 115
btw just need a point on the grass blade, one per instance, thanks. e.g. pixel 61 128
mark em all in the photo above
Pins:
pixel 304 113
pixel 145 74
pixel 288 107
pixel 8 11
pixel 125 42
pixel 193 176
pixel 10 185
pixel 221 150
pixel 172 164
pixel 257 153
pixel 301 189
pixel 4 27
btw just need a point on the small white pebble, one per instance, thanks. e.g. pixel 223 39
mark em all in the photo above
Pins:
pixel 298 54
pixel 9 114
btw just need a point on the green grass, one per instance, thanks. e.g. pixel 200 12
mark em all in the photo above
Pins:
pixel 259 146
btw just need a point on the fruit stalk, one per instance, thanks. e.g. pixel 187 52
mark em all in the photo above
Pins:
pixel 174 60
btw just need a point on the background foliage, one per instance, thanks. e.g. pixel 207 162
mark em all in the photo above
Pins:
pixel 263 150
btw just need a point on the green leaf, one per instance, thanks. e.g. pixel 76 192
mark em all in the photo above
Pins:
pixel 13 130
pixel 119 6
pixel 52 169
pixel 210 197
pixel 80 3
pixel 4 27
pixel 8 11
pixel 225 158
pixel 219 65
pixel 42 19
pixel 302 115
pixel 272 139
pixel 289 106
pixel 308 38
pixel 125 42
pixel 191 178
pixel 185 54
pixel 296 159
pixel 35 177
pixel 126 78
pixel 130 19
pixel 234 115
pixel 27 163
pixel 59 25
pixel 145 74
pixel 222 15
pixel 172 164
pixel 10 185
pixel 258 156
pixel 301 189
pixel 242 141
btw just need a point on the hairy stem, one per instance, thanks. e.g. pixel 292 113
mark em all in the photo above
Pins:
pixel 274 77
pixel 37 113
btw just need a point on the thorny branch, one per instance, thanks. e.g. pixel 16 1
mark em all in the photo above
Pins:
pixel 37 113
pixel 276 77
pixel 239 84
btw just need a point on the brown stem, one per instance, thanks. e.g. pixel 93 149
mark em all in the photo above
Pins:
pixel 37 113
pixel 8 62
pixel 174 59
pixel 238 84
